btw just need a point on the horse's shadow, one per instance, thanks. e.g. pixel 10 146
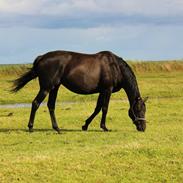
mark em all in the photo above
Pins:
pixel 9 130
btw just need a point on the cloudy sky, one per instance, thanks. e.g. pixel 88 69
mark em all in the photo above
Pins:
pixel 133 29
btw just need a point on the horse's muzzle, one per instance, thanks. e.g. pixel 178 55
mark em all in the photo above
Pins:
pixel 141 126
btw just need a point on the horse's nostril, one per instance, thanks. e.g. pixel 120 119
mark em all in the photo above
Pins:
pixel 141 128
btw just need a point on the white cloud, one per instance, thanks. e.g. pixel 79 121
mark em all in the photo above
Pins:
pixel 18 6
pixel 75 7
pixel 88 13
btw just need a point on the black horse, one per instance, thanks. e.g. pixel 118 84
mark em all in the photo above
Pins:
pixel 102 73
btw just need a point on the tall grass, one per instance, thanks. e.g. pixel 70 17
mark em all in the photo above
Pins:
pixel 137 66
pixel 13 69
pixel 152 66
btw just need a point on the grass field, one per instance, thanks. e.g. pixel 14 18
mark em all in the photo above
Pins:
pixel 121 155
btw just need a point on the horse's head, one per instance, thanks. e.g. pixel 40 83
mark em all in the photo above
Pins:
pixel 137 113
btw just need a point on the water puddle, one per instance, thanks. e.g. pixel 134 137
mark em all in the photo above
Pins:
pixel 22 105
pixel 28 105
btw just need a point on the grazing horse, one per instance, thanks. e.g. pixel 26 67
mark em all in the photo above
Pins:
pixel 103 73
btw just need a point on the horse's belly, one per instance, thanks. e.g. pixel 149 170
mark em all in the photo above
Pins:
pixel 82 84
pixel 80 89
pixel 83 79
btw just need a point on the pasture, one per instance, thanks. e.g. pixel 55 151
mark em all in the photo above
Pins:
pixel 121 155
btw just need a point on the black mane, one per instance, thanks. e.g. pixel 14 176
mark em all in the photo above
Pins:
pixel 130 82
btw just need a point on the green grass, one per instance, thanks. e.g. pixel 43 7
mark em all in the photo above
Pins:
pixel 122 155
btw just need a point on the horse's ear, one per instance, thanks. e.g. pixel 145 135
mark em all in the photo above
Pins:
pixel 145 99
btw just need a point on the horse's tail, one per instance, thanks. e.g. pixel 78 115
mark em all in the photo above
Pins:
pixel 25 78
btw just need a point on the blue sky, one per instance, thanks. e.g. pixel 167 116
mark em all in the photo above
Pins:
pixel 133 29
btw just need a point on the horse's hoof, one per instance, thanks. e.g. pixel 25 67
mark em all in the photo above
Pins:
pixel 84 128
pixel 105 129
pixel 31 130
pixel 58 130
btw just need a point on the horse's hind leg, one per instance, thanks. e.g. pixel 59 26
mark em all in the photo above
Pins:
pixel 35 105
pixel 96 111
pixel 51 107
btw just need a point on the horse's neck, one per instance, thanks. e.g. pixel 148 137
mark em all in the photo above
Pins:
pixel 132 91
pixel 129 82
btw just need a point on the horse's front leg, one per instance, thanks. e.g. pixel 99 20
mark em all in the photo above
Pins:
pixel 105 104
pixel 96 111
pixel 51 107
